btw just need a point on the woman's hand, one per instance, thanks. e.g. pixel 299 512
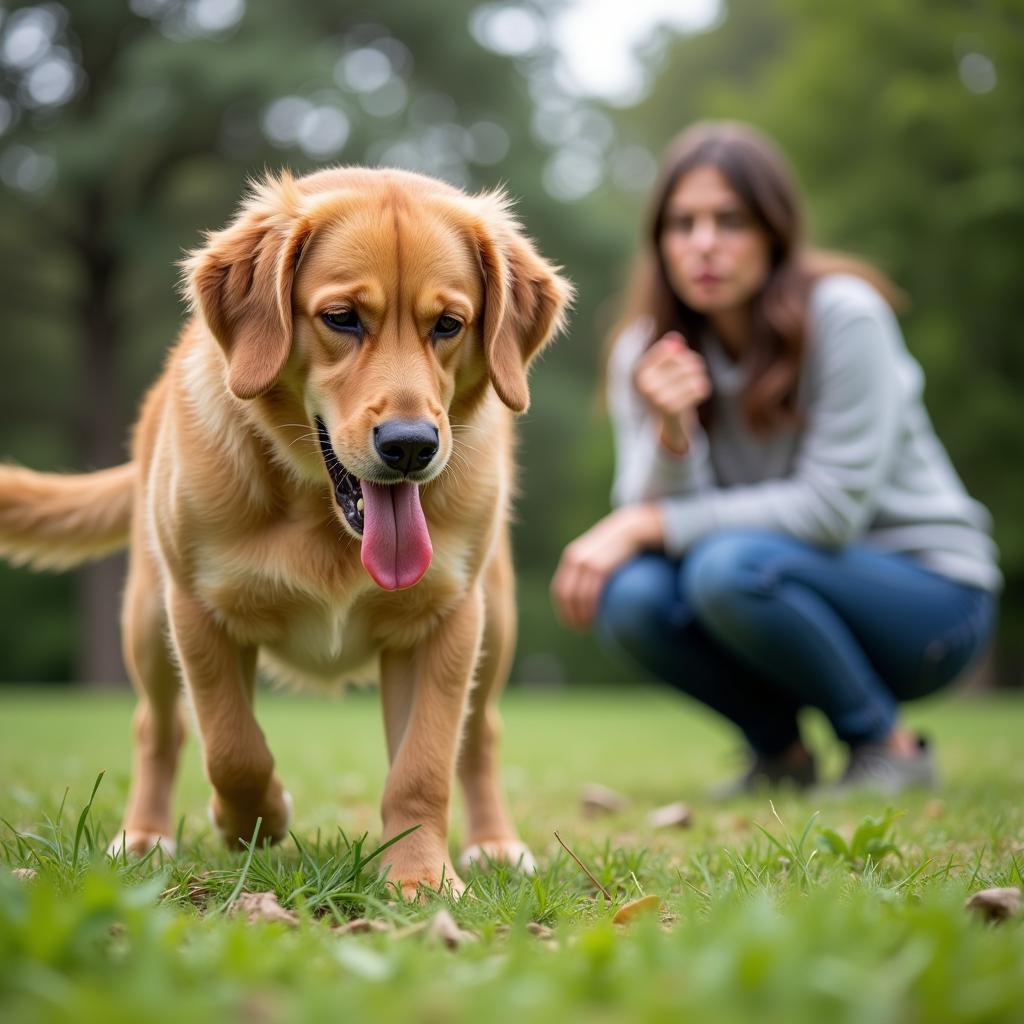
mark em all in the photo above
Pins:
pixel 588 562
pixel 673 380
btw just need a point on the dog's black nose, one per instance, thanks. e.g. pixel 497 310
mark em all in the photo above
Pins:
pixel 406 445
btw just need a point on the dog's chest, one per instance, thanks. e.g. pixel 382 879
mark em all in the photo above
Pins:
pixel 322 641
pixel 314 613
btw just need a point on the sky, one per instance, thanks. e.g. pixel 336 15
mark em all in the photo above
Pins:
pixel 597 38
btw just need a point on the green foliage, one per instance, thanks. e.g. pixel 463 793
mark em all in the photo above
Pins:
pixel 335 878
pixel 869 844
pixel 792 848
pixel 156 146
pixel 901 162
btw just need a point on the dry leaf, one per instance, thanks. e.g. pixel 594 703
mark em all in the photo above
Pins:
pixel 359 925
pixel 598 800
pixel 410 929
pixel 195 892
pixel 25 874
pixel 995 904
pixel 676 815
pixel 542 931
pixel 442 928
pixel 628 911
pixel 263 906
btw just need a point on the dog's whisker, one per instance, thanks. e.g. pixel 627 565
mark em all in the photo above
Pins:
pixel 457 464
pixel 462 456
pixel 466 428
pixel 304 437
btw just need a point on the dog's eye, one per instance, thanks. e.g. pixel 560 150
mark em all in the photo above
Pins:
pixel 447 327
pixel 346 320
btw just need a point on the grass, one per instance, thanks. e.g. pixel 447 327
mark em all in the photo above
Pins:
pixel 791 909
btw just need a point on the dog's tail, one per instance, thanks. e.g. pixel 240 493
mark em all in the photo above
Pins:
pixel 56 521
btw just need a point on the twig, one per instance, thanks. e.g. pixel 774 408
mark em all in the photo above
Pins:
pixel 583 867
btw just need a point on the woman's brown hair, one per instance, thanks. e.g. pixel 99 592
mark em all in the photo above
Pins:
pixel 759 175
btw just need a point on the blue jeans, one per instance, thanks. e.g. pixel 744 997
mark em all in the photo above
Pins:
pixel 757 625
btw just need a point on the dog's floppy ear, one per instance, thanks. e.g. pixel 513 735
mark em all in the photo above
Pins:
pixel 525 299
pixel 241 283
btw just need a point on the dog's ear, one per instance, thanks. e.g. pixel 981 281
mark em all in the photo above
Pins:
pixel 525 300
pixel 241 284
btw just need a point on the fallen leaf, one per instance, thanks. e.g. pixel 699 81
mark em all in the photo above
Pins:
pixel 359 925
pixel 416 928
pixel 263 906
pixel 995 904
pixel 542 931
pixel 628 911
pixel 442 928
pixel 676 815
pixel 598 800
pixel 25 874
pixel 195 892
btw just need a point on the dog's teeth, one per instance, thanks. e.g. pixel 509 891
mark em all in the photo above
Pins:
pixel 359 505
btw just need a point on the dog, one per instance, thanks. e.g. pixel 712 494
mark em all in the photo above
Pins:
pixel 321 478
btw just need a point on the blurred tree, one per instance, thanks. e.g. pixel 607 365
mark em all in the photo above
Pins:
pixel 126 129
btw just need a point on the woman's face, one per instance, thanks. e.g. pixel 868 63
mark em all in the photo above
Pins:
pixel 716 255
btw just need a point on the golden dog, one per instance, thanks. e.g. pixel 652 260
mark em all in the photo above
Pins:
pixel 321 477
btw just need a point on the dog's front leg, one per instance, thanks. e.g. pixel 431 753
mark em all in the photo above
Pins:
pixel 220 676
pixel 419 785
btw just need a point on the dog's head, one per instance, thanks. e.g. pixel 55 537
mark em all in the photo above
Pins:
pixel 388 302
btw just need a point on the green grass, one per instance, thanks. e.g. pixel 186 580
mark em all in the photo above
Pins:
pixel 801 909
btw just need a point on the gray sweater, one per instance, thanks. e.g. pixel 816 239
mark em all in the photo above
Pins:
pixel 865 465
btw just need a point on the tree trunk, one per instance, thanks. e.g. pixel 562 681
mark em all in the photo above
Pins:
pixel 99 615
pixel 102 444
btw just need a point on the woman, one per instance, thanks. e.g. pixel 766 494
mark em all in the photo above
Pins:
pixel 788 531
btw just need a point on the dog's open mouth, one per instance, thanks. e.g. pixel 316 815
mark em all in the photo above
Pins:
pixel 348 491
pixel 396 548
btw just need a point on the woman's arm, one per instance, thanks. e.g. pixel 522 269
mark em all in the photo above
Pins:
pixel 646 468
pixel 858 381
pixel 591 558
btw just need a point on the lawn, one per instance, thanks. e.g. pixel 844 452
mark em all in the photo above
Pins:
pixel 790 909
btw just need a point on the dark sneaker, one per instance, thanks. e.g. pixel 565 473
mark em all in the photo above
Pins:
pixel 874 768
pixel 768 773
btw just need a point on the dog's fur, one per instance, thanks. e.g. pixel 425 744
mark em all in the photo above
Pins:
pixel 239 552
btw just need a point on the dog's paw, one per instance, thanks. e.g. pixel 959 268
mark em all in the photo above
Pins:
pixel 134 842
pixel 416 883
pixel 236 824
pixel 499 851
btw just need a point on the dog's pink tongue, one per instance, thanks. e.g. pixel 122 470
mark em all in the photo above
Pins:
pixel 396 543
